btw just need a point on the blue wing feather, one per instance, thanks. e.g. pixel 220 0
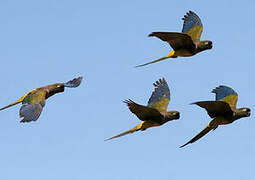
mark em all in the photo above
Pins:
pixel 73 83
pixel 31 112
pixel 191 20
pixel 223 91
pixel 160 93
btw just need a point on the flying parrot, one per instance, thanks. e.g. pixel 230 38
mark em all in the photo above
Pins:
pixel 34 101
pixel 184 44
pixel 155 113
pixel 223 110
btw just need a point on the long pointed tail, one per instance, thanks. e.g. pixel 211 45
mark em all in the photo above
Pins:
pixel 152 62
pixel 134 129
pixel 16 102
pixel 199 135
pixel 170 55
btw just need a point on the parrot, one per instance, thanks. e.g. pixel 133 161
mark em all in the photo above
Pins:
pixel 223 110
pixel 34 101
pixel 155 113
pixel 184 44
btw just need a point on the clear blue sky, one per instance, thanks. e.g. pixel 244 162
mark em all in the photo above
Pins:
pixel 43 42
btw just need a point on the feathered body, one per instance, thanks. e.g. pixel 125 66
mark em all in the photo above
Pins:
pixel 34 101
pixel 184 44
pixel 223 110
pixel 155 113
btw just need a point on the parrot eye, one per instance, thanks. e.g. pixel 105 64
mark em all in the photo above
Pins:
pixel 246 110
pixel 175 113
pixel 208 43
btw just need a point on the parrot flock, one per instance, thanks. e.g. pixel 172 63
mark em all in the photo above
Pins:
pixel 184 44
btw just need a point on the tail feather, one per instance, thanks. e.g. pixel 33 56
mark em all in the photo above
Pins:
pixel 199 135
pixel 134 129
pixel 152 62
pixel 16 102
pixel 170 55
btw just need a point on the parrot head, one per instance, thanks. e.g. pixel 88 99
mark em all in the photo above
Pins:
pixel 243 112
pixel 204 45
pixel 54 88
pixel 171 115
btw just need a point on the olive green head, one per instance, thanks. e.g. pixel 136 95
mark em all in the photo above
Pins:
pixel 172 115
pixel 243 112
pixel 54 88
pixel 204 45
pixel 58 87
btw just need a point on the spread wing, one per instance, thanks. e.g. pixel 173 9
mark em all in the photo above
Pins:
pixel 32 105
pixel 192 26
pixel 73 83
pixel 176 40
pixel 215 108
pixel 144 113
pixel 160 97
pixel 31 112
pixel 226 94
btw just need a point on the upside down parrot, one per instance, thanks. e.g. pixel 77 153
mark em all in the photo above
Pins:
pixel 34 101
pixel 184 44
pixel 155 113
pixel 223 110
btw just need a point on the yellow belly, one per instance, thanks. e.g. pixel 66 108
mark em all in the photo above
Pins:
pixel 147 124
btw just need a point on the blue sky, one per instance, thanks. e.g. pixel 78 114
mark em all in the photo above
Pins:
pixel 44 42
